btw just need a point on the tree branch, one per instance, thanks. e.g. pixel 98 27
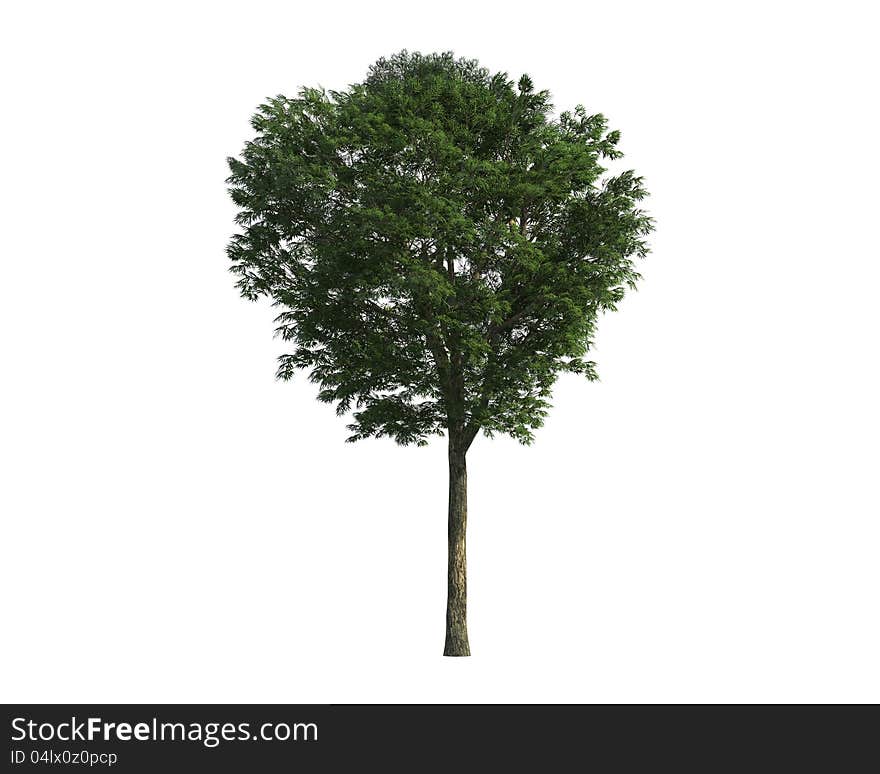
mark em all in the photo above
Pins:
pixel 494 330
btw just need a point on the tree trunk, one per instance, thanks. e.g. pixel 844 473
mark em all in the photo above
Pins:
pixel 456 598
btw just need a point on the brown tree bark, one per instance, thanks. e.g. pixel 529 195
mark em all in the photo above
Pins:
pixel 456 597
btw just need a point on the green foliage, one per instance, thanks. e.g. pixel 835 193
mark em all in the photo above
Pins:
pixel 438 245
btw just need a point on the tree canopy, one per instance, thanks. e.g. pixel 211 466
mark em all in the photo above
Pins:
pixel 438 243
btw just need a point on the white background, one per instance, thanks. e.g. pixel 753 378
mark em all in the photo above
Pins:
pixel 701 525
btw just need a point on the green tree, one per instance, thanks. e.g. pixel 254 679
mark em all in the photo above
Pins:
pixel 439 247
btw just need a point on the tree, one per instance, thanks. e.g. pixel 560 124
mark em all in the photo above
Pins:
pixel 439 247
